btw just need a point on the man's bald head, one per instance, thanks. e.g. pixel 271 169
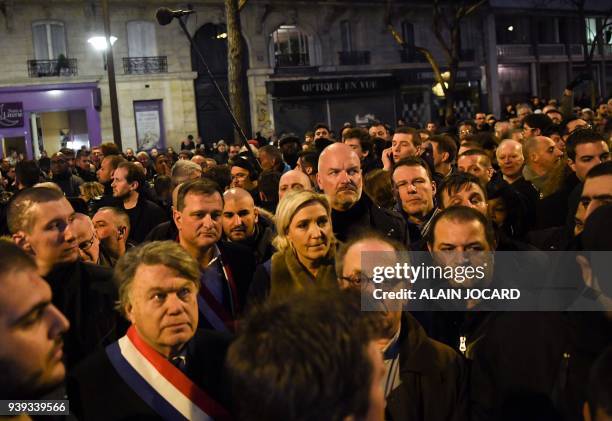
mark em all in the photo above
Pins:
pixel 82 223
pixel 240 215
pixel 293 180
pixel 339 176
pixel 238 194
pixel 509 145
pixel 334 152
pixel 541 154
pixel 84 231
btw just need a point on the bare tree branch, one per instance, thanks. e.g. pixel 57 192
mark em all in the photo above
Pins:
pixel 473 7
pixel 241 4
pixel 435 67
pixel 396 36
pixel 440 23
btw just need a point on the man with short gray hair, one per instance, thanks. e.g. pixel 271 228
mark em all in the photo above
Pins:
pixel 184 170
pixel 163 367
pixel 541 157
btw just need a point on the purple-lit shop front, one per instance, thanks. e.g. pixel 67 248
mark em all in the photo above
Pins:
pixel 43 99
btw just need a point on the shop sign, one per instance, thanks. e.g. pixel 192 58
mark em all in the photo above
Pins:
pixel 326 87
pixel 11 114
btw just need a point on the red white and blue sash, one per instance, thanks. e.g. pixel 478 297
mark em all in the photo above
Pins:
pixel 159 383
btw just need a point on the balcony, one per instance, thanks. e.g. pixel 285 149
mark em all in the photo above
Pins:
pixel 353 58
pixel 576 50
pixel 48 68
pixel 514 51
pixel 145 65
pixel 554 50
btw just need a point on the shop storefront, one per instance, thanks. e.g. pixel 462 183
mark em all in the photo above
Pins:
pixel 49 117
pixel 418 102
pixel 299 103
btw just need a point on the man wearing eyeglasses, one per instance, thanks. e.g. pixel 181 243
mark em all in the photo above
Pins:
pixel 424 379
pixel 244 175
pixel 535 125
pixel 466 129
pixel 90 247
pixel 42 223
pixel 572 125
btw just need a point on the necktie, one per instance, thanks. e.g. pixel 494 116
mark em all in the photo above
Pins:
pixel 179 361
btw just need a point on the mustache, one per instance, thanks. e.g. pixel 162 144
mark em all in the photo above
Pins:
pixel 348 186
pixel 207 232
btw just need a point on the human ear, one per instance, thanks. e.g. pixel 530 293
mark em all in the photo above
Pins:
pixel 21 239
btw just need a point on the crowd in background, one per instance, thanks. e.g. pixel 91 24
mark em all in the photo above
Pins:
pixel 263 246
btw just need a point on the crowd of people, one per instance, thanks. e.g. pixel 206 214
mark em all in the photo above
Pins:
pixel 224 281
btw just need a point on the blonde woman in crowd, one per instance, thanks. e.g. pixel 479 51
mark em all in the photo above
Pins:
pixel 305 245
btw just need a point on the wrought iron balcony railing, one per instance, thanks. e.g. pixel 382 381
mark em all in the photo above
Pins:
pixel 551 50
pixel 514 50
pixel 145 65
pixel 352 58
pixel 46 68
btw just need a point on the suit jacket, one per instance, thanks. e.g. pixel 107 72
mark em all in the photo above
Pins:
pixel 97 392
pixel 241 263
pixel 433 378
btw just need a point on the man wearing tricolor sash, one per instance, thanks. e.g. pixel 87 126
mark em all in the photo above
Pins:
pixel 164 367
pixel 226 268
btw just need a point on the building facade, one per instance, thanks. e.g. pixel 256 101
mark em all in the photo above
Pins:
pixel 54 88
pixel 316 61
pixel 536 48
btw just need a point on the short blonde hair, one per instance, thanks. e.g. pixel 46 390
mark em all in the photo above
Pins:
pixel 289 205
pixel 91 190
pixel 167 253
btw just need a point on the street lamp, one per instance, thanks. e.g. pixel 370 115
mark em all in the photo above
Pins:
pixel 99 44
pixel 105 44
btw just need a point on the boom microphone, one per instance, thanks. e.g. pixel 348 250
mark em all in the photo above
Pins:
pixel 164 15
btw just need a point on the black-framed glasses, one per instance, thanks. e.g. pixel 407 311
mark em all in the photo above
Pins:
pixel 357 279
pixel 86 245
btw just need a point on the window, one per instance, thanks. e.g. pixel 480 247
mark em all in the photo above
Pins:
pixel 141 39
pixel 571 30
pixel 513 29
pixel 49 40
pixel 291 47
pixel 345 35
pixel 408 33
